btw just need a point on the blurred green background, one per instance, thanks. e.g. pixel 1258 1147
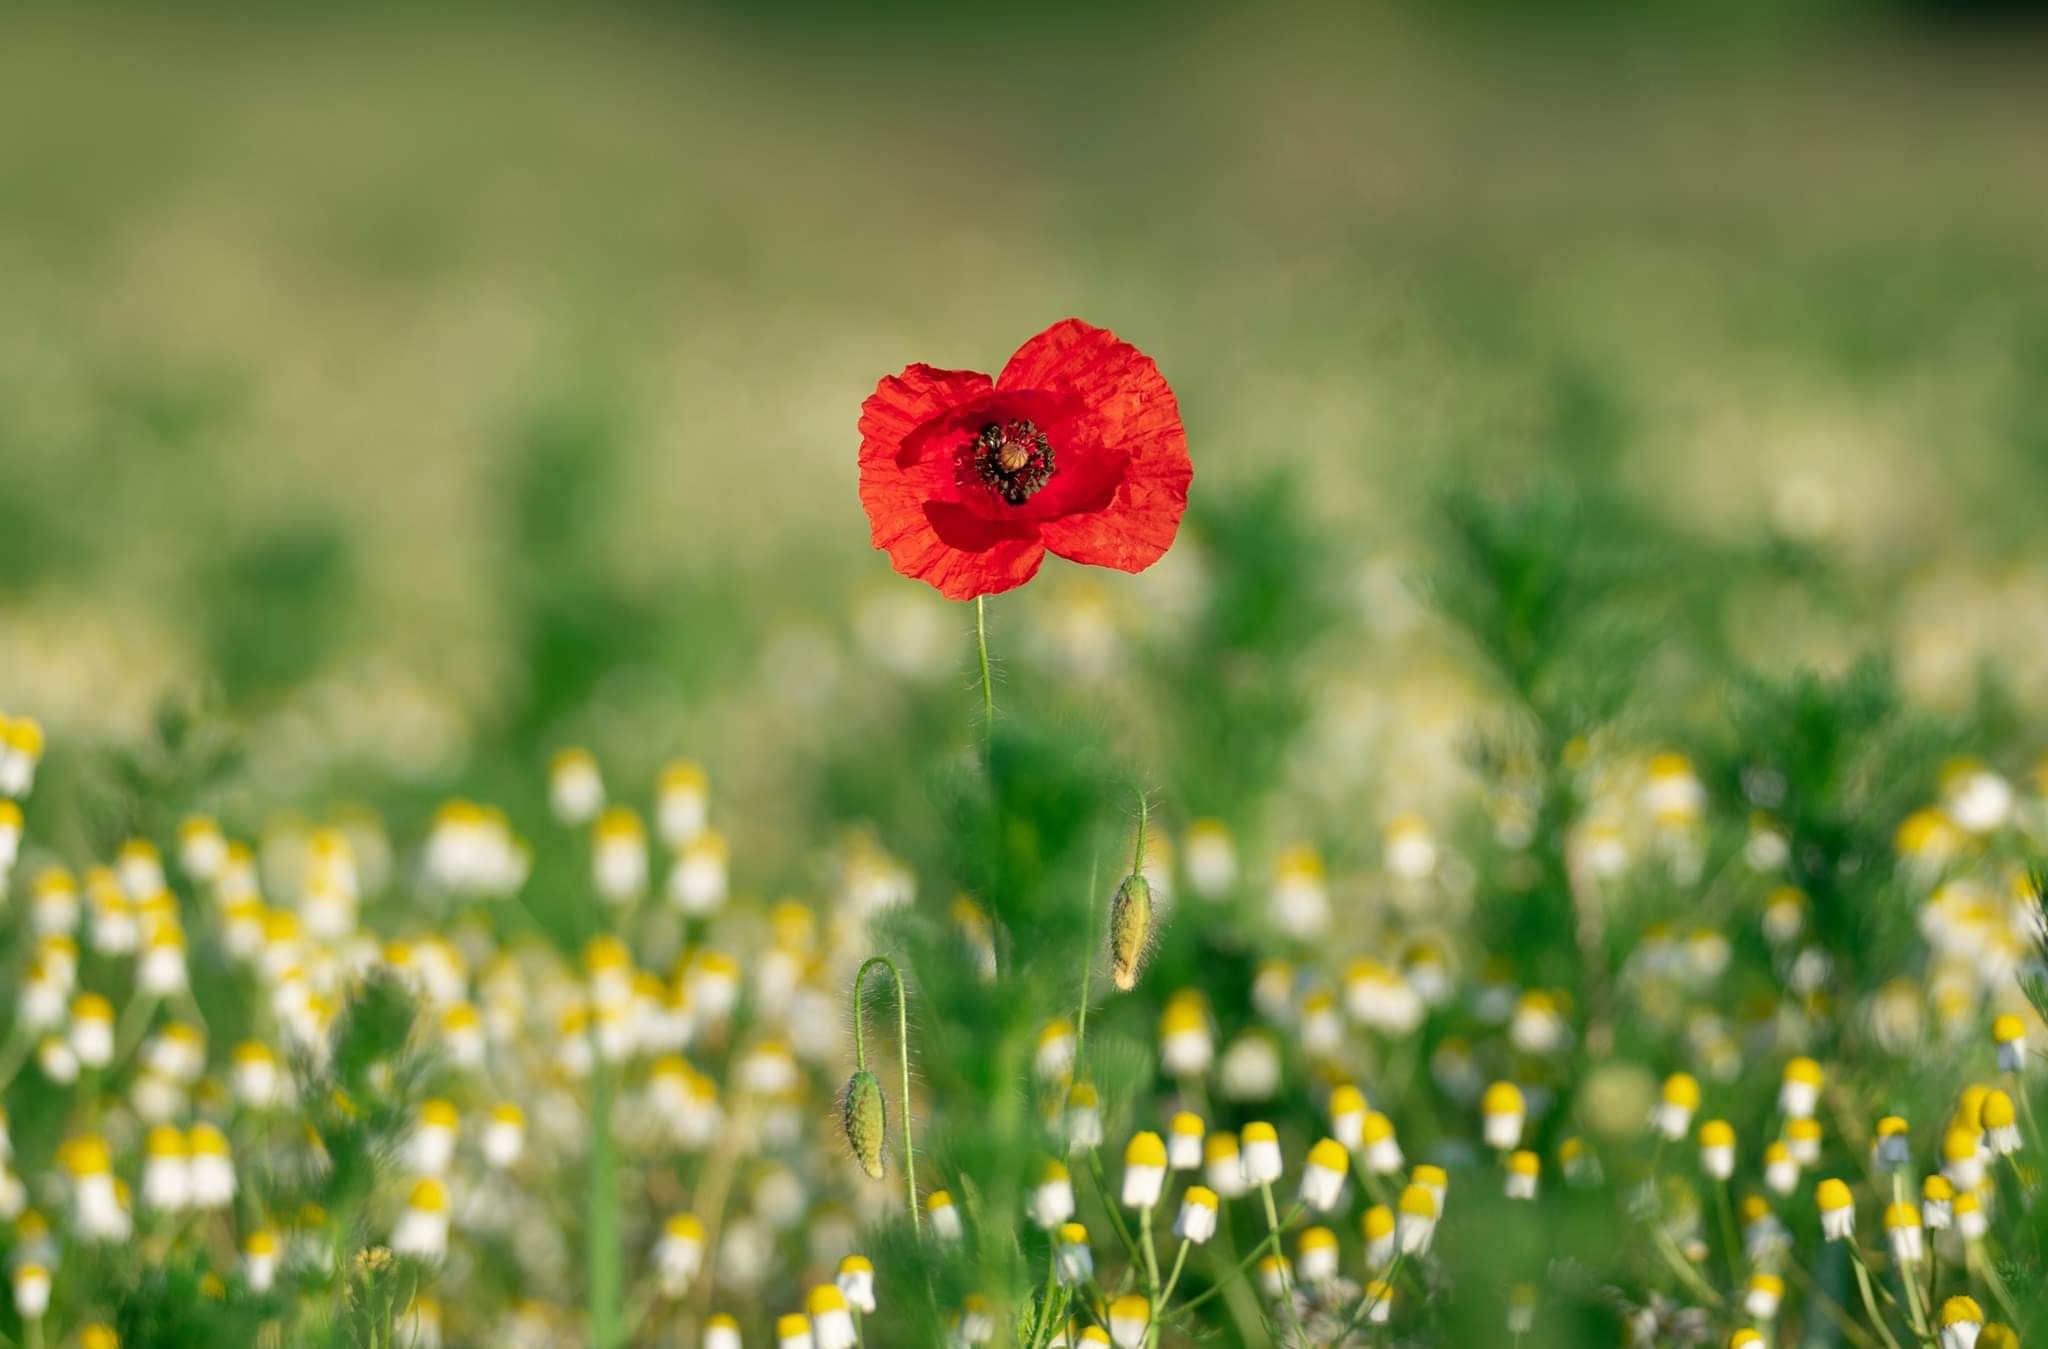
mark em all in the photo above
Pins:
pixel 403 379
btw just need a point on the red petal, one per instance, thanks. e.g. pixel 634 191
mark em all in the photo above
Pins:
pixel 1131 481
pixel 907 485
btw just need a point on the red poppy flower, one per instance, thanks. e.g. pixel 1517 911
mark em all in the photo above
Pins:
pixel 1077 446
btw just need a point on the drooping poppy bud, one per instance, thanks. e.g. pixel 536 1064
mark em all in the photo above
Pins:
pixel 1130 926
pixel 862 1116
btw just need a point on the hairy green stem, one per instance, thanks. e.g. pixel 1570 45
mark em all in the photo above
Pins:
pixel 1138 850
pixel 988 687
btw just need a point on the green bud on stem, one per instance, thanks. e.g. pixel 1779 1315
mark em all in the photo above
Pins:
pixel 1130 927
pixel 862 1115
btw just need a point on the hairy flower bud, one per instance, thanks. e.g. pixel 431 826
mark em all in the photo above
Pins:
pixel 1130 925
pixel 862 1115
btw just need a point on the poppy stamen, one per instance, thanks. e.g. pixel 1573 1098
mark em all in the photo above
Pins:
pixel 1013 459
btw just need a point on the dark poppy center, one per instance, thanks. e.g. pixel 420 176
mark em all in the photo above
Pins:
pixel 1013 459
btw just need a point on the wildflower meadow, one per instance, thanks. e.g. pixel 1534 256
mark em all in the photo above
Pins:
pixel 720 681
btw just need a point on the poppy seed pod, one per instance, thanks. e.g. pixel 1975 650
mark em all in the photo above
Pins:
pixel 862 1115
pixel 1130 924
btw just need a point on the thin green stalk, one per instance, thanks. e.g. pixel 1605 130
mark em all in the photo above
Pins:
pixel 2021 1184
pixel 1153 1299
pixel 1045 1323
pixel 1367 1303
pixel 135 1019
pixel 988 688
pixel 860 1055
pixel 1138 849
pixel 1237 1298
pixel 1987 1274
pixel 1728 1233
pixel 17 1051
pixel 1687 1275
pixel 1096 1306
pixel 1116 1217
pixel 1149 1251
pixel 1915 1313
pixel 1273 1238
pixel 1270 1242
pixel 604 1276
pixel 1870 1299
pixel 639 1308
pixel 1180 1258
pixel 713 1182
pixel 2017 1089
pixel 1835 1310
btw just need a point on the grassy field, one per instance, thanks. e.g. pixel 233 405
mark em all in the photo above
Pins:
pixel 1580 410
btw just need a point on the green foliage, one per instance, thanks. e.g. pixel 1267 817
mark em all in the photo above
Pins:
pixel 1561 595
pixel 575 621
pixel 1271 599
pixel 134 791
pixel 276 607
pixel 1838 761
pixel 169 1304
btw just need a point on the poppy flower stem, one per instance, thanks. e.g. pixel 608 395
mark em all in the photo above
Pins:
pixel 1138 848
pixel 988 688
pixel 1087 974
